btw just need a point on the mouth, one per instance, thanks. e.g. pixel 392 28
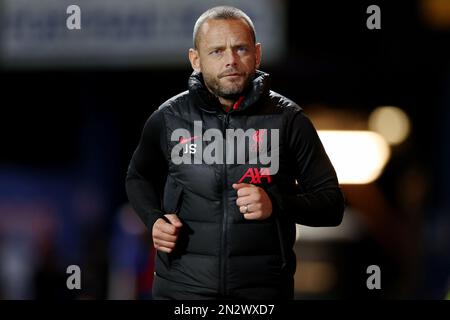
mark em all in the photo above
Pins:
pixel 232 75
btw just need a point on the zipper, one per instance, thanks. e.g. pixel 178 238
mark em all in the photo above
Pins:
pixel 222 262
pixel 280 238
pixel 222 285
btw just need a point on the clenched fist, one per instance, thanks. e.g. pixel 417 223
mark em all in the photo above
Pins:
pixel 165 234
pixel 253 201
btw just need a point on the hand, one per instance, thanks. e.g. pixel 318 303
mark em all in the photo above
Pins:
pixel 165 234
pixel 253 201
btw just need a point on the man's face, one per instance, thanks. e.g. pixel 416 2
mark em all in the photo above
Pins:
pixel 226 55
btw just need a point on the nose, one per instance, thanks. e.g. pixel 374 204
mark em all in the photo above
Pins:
pixel 231 58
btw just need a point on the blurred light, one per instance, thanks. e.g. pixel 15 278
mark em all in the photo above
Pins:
pixel 117 33
pixel 315 277
pixel 129 221
pixel 357 156
pixel 391 122
pixel 350 229
pixel 436 13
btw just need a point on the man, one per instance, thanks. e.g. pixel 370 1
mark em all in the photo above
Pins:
pixel 226 228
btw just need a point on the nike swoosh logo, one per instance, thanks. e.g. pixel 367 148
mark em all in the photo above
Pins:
pixel 184 140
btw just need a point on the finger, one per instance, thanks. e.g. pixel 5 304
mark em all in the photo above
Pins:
pixel 163 249
pixel 252 215
pixel 173 218
pixel 243 209
pixel 167 228
pixel 246 191
pixel 253 207
pixel 242 201
pixel 238 186
pixel 165 236
pixel 165 244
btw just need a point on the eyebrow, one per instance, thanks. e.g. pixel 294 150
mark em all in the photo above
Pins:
pixel 214 47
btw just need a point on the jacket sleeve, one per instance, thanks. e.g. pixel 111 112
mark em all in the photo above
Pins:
pixel 321 201
pixel 147 171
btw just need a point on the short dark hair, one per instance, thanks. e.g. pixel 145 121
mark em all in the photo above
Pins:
pixel 225 13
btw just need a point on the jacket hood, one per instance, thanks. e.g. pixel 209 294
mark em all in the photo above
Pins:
pixel 257 88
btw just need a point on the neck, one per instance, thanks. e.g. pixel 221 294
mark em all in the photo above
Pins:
pixel 226 104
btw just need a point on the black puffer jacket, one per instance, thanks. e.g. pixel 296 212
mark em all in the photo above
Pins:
pixel 219 254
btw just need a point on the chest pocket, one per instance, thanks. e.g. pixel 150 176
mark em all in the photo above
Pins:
pixel 173 193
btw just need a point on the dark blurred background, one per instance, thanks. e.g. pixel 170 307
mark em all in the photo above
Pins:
pixel 73 104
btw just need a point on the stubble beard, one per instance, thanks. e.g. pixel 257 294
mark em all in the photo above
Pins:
pixel 228 92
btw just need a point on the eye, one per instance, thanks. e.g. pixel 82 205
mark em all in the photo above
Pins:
pixel 215 52
pixel 242 49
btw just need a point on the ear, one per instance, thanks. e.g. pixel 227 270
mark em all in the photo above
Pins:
pixel 194 58
pixel 258 55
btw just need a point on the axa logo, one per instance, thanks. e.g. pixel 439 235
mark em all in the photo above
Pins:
pixel 256 175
